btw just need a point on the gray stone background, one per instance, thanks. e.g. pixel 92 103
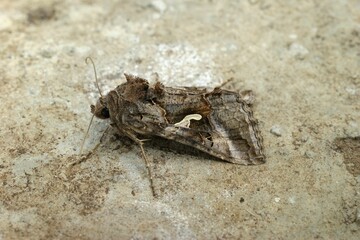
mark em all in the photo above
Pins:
pixel 301 58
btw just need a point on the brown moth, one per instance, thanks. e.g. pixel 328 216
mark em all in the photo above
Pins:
pixel 218 122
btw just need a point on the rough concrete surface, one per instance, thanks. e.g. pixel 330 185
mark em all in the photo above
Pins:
pixel 301 59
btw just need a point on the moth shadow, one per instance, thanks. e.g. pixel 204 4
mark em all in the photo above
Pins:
pixel 166 145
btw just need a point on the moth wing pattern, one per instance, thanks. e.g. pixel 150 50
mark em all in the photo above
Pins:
pixel 218 122
pixel 232 121
pixel 227 129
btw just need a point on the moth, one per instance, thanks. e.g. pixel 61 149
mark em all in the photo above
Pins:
pixel 218 122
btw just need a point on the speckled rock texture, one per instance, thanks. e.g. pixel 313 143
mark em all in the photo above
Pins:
pixel 301 59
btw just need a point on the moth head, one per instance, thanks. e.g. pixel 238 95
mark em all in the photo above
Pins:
pixel 100 109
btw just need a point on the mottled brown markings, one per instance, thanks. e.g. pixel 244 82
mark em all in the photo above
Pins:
pixel 227 128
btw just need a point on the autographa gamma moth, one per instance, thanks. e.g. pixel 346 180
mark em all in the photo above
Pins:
pixel 218 122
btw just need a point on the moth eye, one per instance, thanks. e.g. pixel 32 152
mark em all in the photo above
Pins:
pixel 105 112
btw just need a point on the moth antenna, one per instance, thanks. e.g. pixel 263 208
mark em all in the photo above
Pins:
pixel 87 132
pixel 96 79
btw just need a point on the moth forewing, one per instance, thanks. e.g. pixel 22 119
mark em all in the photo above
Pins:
pixel 218 122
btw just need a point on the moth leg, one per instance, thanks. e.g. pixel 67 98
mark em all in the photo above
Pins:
pixel 140 143
pixel 226 82
pixel 89 154
pixel 104 133
pixel 84 158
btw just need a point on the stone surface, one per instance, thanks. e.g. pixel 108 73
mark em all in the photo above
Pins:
pixel 301 59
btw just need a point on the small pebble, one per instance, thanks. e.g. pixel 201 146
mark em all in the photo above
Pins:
pixel 276 130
